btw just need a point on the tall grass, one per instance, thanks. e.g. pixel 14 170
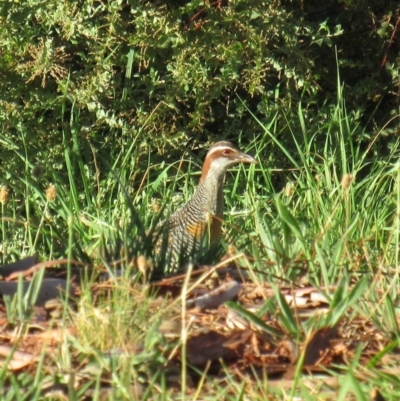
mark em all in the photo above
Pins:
pixel 328 218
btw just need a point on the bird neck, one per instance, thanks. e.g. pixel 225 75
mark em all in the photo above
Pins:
pixel 210 189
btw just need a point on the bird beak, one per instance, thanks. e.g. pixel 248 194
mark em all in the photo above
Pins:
pixel 245 158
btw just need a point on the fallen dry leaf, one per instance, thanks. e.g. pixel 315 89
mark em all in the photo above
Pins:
pixel 214 298
pixel 319 344
pixel 207 347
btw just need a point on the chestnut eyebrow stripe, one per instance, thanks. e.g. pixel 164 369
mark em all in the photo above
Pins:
pixel 219 148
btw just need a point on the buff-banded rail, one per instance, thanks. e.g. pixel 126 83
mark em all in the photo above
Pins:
pixel 199 221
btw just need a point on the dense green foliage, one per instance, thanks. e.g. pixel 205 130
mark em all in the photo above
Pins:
pixel 102 94
pixel 170 71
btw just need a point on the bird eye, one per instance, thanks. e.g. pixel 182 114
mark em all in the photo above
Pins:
pixel 226 152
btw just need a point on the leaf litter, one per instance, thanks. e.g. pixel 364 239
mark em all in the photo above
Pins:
pixel 230 324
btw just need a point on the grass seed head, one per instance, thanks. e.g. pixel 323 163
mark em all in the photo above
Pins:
pixel 4 194
pixel 347 180
pixel 51 193
pixel 289 189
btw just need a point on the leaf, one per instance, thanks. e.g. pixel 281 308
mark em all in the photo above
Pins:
pixel 286 313
pixel 251 317
pixel 288 218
